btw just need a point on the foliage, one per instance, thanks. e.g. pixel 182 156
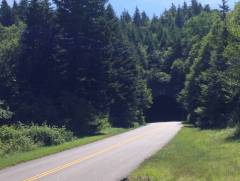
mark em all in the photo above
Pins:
pixel 20 138
pixel 47 136
pixel 76 64
pixel 233 24
pixel 210 93
pixel 6 15
pixel 5 113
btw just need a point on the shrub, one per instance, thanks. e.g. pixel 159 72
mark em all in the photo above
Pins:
pixel 135 125
pixel 47 136
pixel 14 140
pixel 19 138
pixel 100 123
pixel 7 133
pixel 21 143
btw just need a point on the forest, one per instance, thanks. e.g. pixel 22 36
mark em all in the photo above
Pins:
pixel 77 64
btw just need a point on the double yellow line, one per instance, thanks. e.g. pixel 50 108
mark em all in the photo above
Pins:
pixel 75 162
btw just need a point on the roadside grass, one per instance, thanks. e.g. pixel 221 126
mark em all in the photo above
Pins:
pixel 194 155
pixel 15 158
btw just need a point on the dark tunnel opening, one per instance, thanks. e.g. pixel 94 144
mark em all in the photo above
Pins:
pixel 165 108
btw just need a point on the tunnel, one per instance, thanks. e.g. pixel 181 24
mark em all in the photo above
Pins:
pixel 165 108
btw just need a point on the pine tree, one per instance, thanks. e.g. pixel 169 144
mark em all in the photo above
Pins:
pixel 6 17
pixel 137 17
pixel 129 93
pixel 81 53
pixel 185 10
pixel 126 17
pixel 224 10
pixel 195 7
pixel 15 10
pixel 23 9
pixel 154 25
pixel 77 62
pixel 35 68
pixel 207 8
pixel 144 19
pixel 173 10
pixel 179 19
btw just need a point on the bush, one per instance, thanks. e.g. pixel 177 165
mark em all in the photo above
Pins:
pixel 21 143
pixel 47 136
pixel 19 138
pixel 14 139
pixel 100 123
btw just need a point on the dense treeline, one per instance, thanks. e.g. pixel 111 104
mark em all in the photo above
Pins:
pixel 76 63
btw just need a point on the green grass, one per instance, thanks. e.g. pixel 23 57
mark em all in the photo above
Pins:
pixel 13 159
pixel 194 155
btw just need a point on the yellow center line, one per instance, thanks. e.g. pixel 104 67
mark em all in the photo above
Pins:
pixel 75 162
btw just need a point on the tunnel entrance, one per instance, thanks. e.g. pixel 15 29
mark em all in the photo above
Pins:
pixel 165 108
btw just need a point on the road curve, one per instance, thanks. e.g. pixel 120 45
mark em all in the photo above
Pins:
pixel 111 159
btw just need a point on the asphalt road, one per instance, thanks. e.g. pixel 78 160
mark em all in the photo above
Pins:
pixel 111 159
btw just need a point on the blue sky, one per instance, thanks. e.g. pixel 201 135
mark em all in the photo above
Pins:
pixel 155 6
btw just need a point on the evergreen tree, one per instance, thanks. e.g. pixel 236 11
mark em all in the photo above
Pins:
pixel 195 7
pixel 15 11
pixel 207 8
pixel 205 79
pixel 144 19
pixel 35 68
pixel 81 52
pixel 23 9
pixel 79 64
pixel 6 16
pixel 224 9
pixel 186 11
pixel 179 20
pixel 137 17
pixel 129 93
pixel 125 17
pixel 232 53
pixel 173 10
